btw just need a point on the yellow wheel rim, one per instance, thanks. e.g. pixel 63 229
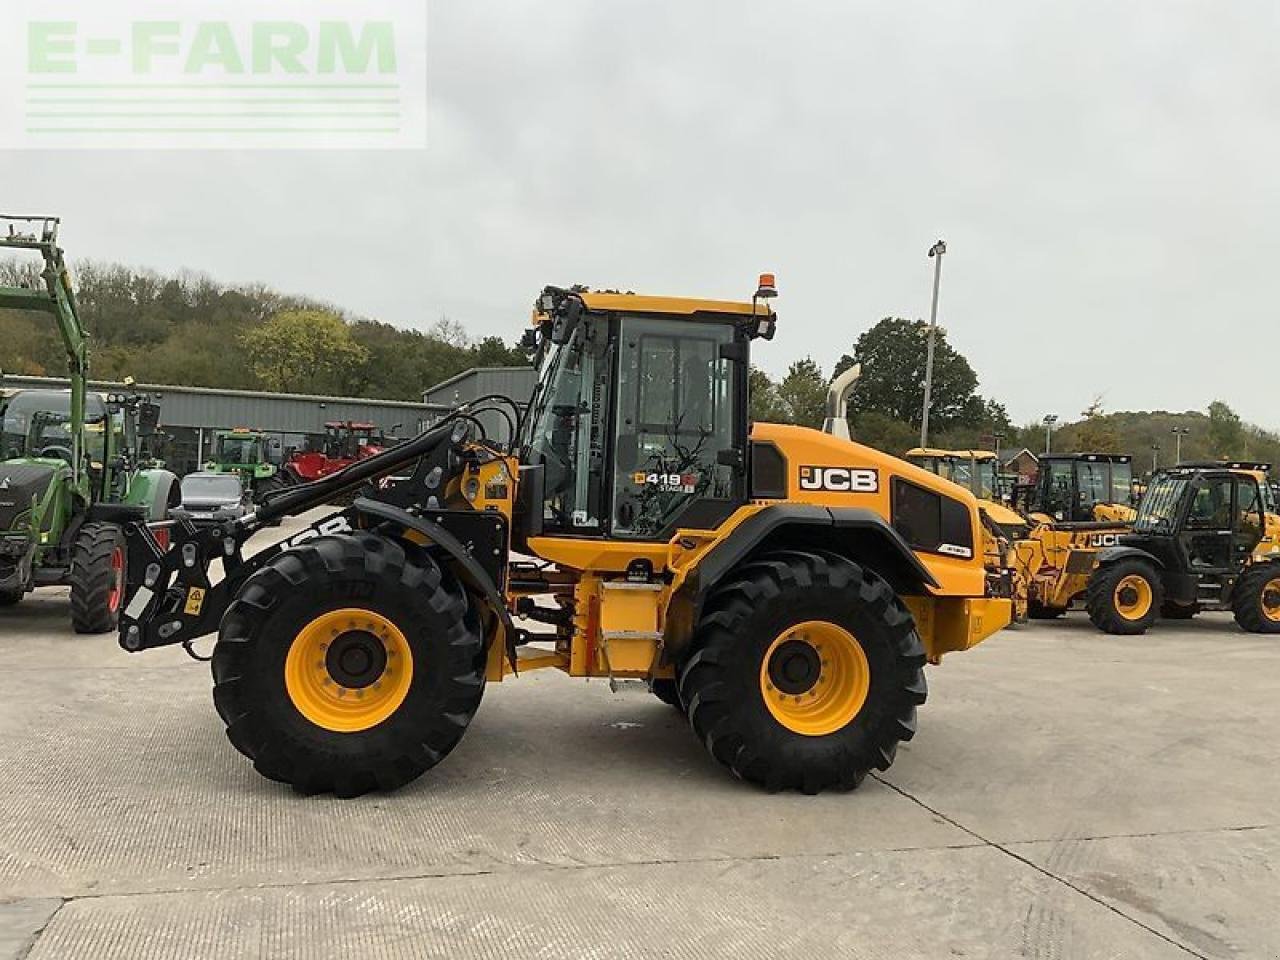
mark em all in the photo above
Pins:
pixel 1271 600
pixel 815 678
pixel 1133 597
pixel 348 670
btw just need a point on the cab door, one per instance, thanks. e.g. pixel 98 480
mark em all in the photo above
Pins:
pixel 679 427
pixel 1209 534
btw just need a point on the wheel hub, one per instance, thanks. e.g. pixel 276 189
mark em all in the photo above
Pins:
pixel 794 667
pixel 355 659
pixel 1128 596
pixel 1271 600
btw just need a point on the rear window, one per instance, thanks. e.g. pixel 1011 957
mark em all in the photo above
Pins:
pixel 221 487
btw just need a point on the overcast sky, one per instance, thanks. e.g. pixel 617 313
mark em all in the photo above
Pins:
pixel 1106 175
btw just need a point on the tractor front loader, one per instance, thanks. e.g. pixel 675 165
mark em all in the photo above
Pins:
pixel 782 587
pixel 71 474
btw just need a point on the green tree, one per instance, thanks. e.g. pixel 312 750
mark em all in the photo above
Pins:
pixel 304 351
pixel 1226 433
pixel 874 429
pixel 763 403
pixel 803 393
pixel 1096 433
pixel 892 354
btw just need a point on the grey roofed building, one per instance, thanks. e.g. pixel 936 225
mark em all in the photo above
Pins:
pixel 211 407
pixel 514 382
pixel 190 415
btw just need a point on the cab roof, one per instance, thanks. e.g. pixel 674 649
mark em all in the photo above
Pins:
pixel 685 306
pixel 1089 457
pixel 959 454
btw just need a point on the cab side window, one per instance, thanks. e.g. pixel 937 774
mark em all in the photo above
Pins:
pixel 1211 507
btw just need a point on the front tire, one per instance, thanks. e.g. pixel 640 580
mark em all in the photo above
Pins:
pixel 666 690
pixel 348 664
pixel 9 598
pixel 805 673
pixel 1124 597
pixel 97 578
pixel 1255 601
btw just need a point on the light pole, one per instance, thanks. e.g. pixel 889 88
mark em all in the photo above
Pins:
pixel 997 436
pixel 1178 434
pixel 1049 420
pixel 935 252
pixel 1155 456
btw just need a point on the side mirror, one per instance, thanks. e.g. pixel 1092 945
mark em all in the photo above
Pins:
pixel 566 322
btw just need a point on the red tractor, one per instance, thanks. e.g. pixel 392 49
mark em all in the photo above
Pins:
pixel 345 442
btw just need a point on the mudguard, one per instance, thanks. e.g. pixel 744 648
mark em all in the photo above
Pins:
pixel 483 579
pixel 859 534
pixel 1112 554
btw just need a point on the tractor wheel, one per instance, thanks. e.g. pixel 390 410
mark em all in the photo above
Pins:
pixel 277 481
pixel 1255 601
pixel 805 673
pixel 348 664
pixel 97 578
pixel 9 598
pixel 1124 597
pixel 668 691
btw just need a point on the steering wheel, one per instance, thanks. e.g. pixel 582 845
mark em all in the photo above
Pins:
pixel 57 450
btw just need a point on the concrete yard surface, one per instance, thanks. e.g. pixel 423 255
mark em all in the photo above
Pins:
pixel 1069 795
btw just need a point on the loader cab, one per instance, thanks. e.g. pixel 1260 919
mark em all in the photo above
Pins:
pixel 1071 487
pixel 1201 521
pixel 638 424
pixel 975 470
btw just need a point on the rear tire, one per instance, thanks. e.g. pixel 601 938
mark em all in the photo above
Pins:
pixel 9 598
pixel 1124 597
pixel 97 578
pixel 791 619
pixel 1255 601
pixel 348 664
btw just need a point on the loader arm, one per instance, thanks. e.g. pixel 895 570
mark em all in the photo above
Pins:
pixel 171 599
pixel 59 300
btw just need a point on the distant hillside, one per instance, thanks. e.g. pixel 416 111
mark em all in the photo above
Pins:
pixel 187 329
pixel 1217 433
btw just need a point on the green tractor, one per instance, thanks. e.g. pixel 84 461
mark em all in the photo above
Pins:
pixel 243 452
pixel 71 475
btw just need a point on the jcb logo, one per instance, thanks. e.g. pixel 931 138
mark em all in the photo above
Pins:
pixel 840 479
pixel 1104 539
pixel 336 524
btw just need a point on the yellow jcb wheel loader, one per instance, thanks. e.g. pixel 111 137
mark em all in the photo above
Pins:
pixel 782 586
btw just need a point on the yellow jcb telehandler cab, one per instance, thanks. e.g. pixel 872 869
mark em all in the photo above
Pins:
pixel 783 587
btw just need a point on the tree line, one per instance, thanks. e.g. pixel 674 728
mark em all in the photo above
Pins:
pixel 187 329
pixel 887 398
